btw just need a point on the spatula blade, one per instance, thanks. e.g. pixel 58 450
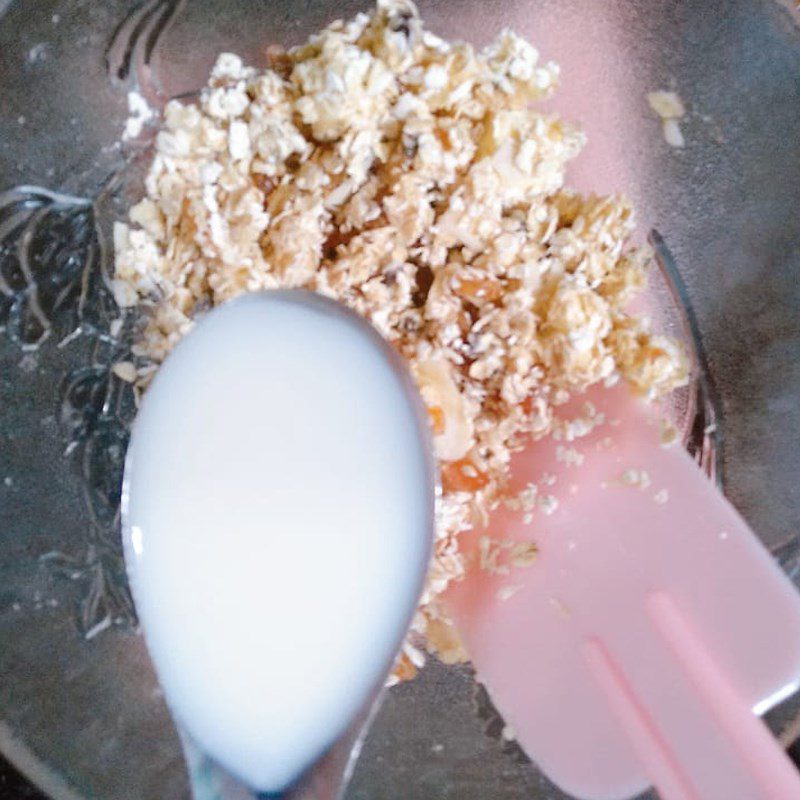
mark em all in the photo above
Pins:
pixel 634 521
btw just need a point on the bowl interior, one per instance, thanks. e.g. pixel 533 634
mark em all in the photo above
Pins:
pixel 80 711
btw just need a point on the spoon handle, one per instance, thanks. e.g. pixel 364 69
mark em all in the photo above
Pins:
pixel 327 778
pixel 209 781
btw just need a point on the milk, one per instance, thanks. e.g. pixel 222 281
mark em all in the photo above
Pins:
pixel 278 512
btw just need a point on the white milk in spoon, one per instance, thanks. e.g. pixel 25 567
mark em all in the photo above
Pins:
pixel 278 509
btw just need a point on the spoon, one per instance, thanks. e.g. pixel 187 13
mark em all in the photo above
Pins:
pixel 277 523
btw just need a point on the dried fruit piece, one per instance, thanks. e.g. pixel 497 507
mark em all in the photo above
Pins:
pixel 462 476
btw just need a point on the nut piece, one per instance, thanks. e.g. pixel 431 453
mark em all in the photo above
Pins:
pixel 670 108
pixel 125 371
pixel 668 105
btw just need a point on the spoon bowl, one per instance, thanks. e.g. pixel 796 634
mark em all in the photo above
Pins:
pixel 277 516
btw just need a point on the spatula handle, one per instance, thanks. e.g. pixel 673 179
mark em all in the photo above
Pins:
pixel 758 749
pixel 747 742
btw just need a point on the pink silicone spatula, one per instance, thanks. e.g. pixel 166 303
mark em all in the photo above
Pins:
pixel 653 628
pixel 649 634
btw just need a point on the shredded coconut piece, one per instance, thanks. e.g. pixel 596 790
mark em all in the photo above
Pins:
pixel 668 435
pixel 673 135
pixel 140 114
pixel 125 371
pixel 580 426
pixel 524 500
pixel 523 554
pixel 569 456
pixel 489 552
pixel 506 592
pixel 416 181
pixel 508 733
pixel 548 504
pixel 635 478
pixel 498 556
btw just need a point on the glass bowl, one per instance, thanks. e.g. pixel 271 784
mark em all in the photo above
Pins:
pixel 80 712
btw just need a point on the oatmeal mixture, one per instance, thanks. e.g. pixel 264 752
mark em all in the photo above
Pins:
pixel 414 180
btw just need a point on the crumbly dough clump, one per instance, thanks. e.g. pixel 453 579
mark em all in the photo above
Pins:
pixel 414 180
